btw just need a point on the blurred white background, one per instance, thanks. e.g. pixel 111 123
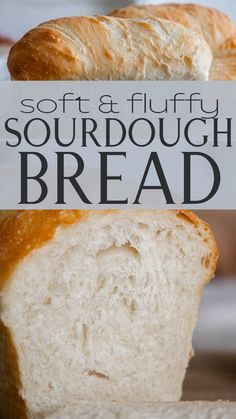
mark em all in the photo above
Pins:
pixel 17 16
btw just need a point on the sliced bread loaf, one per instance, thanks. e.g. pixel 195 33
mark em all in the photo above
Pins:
pixel 98 305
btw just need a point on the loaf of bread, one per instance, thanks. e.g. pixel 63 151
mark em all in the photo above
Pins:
pixel 108 48
pixel 180 410
pixel 97 305
pixel 211 23
pixel 218 30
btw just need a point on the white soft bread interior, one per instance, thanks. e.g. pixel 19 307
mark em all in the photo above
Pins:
pixel 98 305
pixel 180 410
pixel 109 48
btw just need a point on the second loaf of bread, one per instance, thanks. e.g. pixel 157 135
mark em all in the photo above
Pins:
pixel 217 29
pixel 108 48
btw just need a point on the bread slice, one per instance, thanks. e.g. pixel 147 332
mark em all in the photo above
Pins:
pixel 98 305
pixel 180 410
pixel 218 30
pixel 108 48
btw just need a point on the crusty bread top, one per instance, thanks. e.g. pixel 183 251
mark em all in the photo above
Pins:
pixel 218 30
pixel 108 48
pixel 25 230
pixel 214 25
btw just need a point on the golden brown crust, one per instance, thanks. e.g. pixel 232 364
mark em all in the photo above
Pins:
pixel 23 231
pixel 107 48
pixel 28 61
pixel 12 405
pixel 217 28
pixel 204 229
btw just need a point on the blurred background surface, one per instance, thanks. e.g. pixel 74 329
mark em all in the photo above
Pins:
pixel 18 16
pixel 212 372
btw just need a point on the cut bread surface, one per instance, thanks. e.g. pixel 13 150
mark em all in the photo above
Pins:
pixel 180 410
pixel 105 308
